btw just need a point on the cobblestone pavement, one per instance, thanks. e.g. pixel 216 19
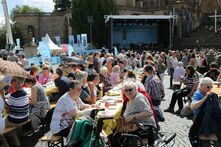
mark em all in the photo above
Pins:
pixel 173 123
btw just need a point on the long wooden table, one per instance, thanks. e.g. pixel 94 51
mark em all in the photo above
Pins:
pixel 112 102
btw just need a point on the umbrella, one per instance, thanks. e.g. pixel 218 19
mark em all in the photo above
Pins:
pixel 12 68
pixel 75 60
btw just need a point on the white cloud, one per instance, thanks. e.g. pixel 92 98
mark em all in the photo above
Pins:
pixel 44 5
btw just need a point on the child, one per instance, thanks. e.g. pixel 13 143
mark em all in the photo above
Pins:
pixel 178 73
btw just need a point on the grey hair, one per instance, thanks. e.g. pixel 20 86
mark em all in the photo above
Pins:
pixel 81 75
pixel 116 68
pixel 130 83
pixel 103 70
pixel 206 81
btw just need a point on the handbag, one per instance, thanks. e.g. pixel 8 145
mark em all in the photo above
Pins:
pixel 186 111
pixel 124 127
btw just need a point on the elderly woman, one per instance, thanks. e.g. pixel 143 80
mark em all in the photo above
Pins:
pixel 137 109
pixel 191 81
pixel 87 94
pixel 105 79
pixel 68 106
pixel 45 77
pixel 39 103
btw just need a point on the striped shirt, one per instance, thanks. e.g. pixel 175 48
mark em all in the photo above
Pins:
pixel 152 87
pixel 190 81
pixel 84 92
pixel 18 105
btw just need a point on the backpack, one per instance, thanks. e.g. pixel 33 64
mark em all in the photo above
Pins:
pixel 82 133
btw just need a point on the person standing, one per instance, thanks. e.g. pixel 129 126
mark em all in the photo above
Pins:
pixel 172 63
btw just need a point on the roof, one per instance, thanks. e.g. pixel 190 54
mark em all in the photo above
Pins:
pixel 107 17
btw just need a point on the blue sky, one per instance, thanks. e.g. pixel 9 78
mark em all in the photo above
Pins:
pixel 44 5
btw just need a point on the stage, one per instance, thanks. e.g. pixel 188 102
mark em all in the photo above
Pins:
pixel 125 30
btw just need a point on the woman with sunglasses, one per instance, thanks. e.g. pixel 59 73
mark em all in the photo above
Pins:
pixel 137 110
pixel 45 77
pixel 200 96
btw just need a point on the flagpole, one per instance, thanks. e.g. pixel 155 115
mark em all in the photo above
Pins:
pixel 9 38
pixel 215 21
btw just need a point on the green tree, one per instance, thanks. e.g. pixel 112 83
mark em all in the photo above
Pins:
pixel 15 33
pixel 81 9
pixel 24 9
pixel 62 5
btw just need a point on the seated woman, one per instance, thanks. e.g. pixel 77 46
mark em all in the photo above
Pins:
pixel 96 79
pixel 191 81
pixel 87 94
pixel 115 76
pixel 68 106
pixel 137 111
pixel 39 103
pixel 105 79
pixel 45 77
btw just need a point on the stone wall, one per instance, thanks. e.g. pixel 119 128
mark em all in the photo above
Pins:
pixel 51 23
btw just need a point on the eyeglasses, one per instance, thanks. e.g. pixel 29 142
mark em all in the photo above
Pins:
pixel 209 87
pixel 128 90
pixel 45 68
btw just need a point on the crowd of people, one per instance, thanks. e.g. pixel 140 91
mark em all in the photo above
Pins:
pixel 80 86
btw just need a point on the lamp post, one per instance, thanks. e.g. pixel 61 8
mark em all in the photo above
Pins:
pixel 90 20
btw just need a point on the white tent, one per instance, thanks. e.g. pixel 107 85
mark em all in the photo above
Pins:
pixel 47 40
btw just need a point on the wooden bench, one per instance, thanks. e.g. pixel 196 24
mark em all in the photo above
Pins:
pixel 9 129
pixel 53 140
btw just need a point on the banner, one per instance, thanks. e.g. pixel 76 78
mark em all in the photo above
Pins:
pixel 79 40
pixel 71 40
pixel 84 40
pixel 70 50
pixel 18 42
pixel 44 50
pixel 115 51
pixel 58 40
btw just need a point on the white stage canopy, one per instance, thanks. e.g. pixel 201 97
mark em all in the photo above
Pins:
pixel 47 40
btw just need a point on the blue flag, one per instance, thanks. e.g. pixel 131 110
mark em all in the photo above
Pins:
pixel 58 41
pixel 84 40
pixel 71 40
pixel 115 51
pixel 79 40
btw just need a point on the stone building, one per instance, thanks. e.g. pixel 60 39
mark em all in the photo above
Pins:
pixel 37 25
